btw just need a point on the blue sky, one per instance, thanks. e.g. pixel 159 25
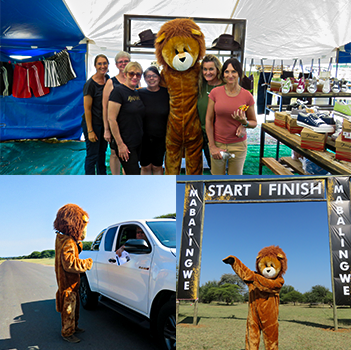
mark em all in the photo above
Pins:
pixel 242 230
pixel 29 205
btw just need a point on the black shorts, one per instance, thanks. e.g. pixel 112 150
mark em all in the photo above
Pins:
pixel 152 150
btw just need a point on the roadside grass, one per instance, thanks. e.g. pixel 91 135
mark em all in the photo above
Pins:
pixel 301 327
pixel 46 261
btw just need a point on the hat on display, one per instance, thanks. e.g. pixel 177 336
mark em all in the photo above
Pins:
pixel 225 42
pixel 147 38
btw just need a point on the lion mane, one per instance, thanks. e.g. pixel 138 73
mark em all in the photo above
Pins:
pixel 273 252
pixel 71 221
pixel 181 27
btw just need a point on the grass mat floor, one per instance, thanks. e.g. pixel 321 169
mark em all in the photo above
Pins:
pixel 67 158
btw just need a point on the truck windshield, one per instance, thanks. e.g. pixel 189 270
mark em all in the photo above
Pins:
pixel 165 231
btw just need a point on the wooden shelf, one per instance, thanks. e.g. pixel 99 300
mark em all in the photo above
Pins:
pixel 238 30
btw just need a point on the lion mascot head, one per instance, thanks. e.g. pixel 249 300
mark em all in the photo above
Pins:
pixel 179 44
pixel 72 221
pixel 271 262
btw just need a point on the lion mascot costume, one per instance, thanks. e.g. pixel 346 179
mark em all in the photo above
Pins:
pixel 264 287
pixel 180 45
pixel 70 225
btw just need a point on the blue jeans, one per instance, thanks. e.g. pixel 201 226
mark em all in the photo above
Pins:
pixel 96 151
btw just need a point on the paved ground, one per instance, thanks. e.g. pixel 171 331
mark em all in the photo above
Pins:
pixel 29 321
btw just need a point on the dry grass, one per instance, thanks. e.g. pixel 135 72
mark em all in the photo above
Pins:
pixel 300 328
pixel 46 261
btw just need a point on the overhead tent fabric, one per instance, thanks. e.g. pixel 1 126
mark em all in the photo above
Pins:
pixel 283 30
pixel 39 29
pixel 276 30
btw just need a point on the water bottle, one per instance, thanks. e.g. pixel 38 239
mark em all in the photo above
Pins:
pixel 227 155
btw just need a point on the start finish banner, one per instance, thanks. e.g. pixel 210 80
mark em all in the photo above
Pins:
pixel 339 211
pixel 265 191
pixel 285 190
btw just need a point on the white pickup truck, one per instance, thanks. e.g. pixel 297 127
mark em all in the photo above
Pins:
pixel 143 288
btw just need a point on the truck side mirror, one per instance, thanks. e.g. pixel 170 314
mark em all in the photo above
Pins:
pixel 137 246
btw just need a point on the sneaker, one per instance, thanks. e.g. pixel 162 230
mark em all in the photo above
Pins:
pixel 311 121
pixel 301 86
pixel 342 107
pixel 327 118
pixel 72 339
pixel 338 129
pixel 326 87
pixel 336 87
pixel 287 86
pixel 312 86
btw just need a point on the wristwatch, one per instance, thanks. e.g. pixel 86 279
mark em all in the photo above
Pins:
pixel 247 124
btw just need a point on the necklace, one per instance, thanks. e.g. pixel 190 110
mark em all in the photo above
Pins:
pixel 235 91
pixel 212 87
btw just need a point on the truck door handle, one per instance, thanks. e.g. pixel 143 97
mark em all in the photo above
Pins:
pixel 112 261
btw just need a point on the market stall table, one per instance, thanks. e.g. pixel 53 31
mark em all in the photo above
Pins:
pixel 325 159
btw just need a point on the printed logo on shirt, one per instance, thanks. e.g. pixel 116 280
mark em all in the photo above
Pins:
pixel 133 98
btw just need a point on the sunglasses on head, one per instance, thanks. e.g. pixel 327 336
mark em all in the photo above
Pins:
pixel 132 74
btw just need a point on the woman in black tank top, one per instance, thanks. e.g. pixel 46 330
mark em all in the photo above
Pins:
pixel 122 59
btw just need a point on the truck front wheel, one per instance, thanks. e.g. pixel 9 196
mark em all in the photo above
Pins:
pixel 88 298
pixel 166 325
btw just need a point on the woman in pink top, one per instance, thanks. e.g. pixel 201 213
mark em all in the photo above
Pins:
pixel 230 112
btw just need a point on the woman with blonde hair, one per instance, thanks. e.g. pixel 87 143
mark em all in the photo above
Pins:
pixel 121 59
pixel 209 78
pixel 125 116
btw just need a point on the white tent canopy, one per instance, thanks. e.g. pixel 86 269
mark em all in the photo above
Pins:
pixel 279 30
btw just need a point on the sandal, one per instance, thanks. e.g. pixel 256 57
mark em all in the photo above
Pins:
pixel 287 86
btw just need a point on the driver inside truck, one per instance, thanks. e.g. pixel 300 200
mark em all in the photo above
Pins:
pixel 121 255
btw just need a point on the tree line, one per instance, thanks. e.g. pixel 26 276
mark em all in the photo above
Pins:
pixel 231 289
pixel 45 254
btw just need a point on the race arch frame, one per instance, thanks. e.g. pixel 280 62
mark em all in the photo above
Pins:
pixel 334 190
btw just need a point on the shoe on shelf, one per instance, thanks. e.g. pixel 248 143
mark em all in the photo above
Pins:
pixel 287 86
pixel 311 121
pixel 336 86
pixel 326 87
pixel 342 107
pixel 344 87
pixel 338 129
pixel 72 339
pixel 312 86
pixel 327 118
pixel 301 86
pixel 295 112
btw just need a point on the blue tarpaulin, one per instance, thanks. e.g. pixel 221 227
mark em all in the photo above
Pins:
pixel 40 29
pixel 345 56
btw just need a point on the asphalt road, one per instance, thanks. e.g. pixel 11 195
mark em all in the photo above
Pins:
pixel 29 320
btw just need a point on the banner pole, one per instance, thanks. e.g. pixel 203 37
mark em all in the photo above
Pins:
pixel 329 187
pixel 333 287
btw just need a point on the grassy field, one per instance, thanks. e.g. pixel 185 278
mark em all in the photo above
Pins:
pixel 47 261
pixel 300 327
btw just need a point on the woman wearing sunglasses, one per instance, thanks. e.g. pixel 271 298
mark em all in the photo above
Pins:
pixel 125 116
pixel 121 59
pixel 156 102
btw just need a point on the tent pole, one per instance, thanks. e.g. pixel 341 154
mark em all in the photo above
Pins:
pixel 231 16
pixel 337 62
